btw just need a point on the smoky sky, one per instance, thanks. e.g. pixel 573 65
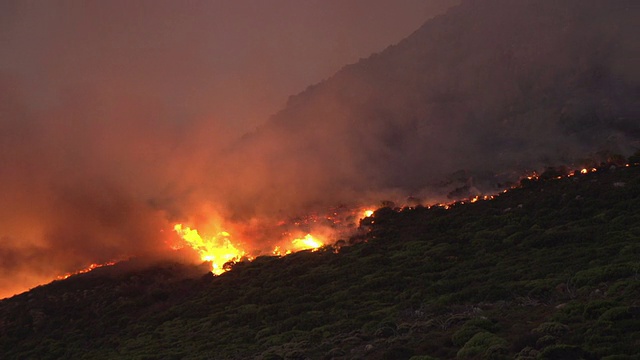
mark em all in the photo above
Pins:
pixel 232 61
pixel 113 114
pixel 467 104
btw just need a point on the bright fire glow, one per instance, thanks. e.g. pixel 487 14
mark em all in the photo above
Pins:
pixel 308 242
pixel 85 270
pixel 217 249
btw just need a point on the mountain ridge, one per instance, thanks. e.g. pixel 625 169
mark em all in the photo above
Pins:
pixel 487 88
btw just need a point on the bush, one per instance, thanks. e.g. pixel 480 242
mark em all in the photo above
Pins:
pixel 595 308
pixel 398 353
pixel 546 340
pixel 496 352
pixel 562 351
pixel 620 357
pixel 600 274
pixel 478 346
pixel 384 332
pixel 472 327
pixel 616 313
pixel 552 328
pixel 635 158
pixel 460 337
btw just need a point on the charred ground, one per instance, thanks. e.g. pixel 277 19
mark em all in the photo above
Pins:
pixel 548 270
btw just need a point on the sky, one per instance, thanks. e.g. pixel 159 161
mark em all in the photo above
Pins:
pixel 234 62
pixel 110 110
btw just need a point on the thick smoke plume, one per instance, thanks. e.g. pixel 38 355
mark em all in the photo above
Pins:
pixel 115 116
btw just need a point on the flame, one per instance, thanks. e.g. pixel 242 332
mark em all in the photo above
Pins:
pixel 85 270
pixel 218 249
pixel 308 242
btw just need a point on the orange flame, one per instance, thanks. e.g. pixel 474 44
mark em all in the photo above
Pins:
pixel 308 242
pixel 217 249
pixel 85 270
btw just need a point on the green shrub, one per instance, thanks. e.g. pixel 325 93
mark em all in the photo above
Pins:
pixel 528 353
pixel 384 332
pixel 552 328
pixel 620 357
pixel 484 323
pixel 546 340
pixel 616 313
pixel 398 353
pixel 479 345
pixel 496 352
pixel 460 337
pixel 595 308
pixel 562 351
pixel 265 332
pixel 472 327
pixel 571 312
pixel 605 273
pixel 634 158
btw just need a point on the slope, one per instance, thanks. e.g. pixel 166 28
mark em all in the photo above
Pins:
pixel 547 270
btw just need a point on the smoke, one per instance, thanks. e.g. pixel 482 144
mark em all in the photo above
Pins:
pixel 116 117
pixel 472 99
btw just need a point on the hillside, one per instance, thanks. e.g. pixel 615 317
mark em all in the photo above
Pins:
pixel 548 270
pixel 482 93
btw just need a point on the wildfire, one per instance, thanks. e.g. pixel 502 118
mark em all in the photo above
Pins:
pixel 308 242
pixel 219 250
pixel 85 270
pixel 216 249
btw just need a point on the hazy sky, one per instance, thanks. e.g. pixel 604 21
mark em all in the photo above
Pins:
pixel 111 111
pixel 234 62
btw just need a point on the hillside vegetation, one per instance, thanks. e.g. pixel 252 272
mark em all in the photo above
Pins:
pixel 549 270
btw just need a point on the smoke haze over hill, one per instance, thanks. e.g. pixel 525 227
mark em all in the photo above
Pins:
pixel 112 113
pixel 116 124
pixel 477 96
